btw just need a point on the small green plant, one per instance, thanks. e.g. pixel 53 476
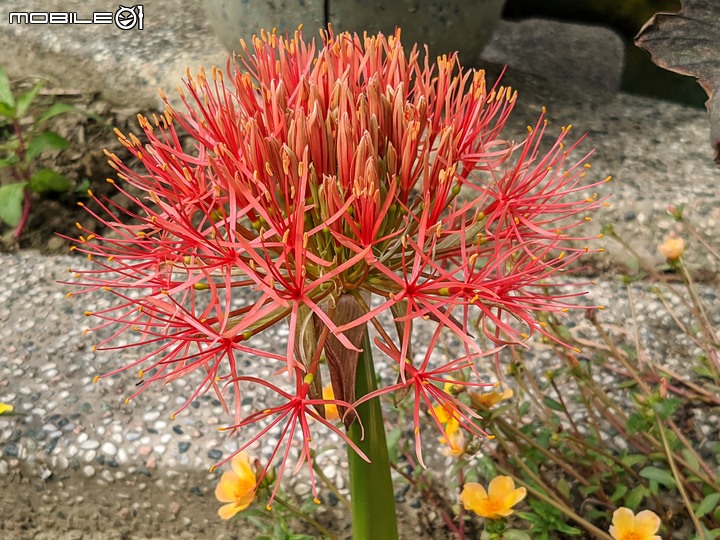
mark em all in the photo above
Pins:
pixel 21 143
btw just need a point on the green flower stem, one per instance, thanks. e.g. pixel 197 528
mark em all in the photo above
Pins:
pixel 371 490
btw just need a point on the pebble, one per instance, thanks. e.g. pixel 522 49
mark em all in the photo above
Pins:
pixel 3 467
pixel 89 471
pixel 215 454
pixel 107 476
pixel 90 445
pixel 109 449
pixel 133 436
pixel 183 446
pixel 145 451
pixel 11 450
pixel 89 456
pixel 122 456
pixel 151 416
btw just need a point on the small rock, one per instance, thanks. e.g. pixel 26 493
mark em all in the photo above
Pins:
pixel 145 451
pixel 107 476
pixel 90 445
pixel 89 471
pixel 215 454
pixel 151 416
pixel 174 508
pixel 3 467
pixel 122 456
pixel 109 449
pixel 183 446
pixel 11 450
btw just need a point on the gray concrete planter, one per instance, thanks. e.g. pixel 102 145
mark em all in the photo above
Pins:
pixel 444 25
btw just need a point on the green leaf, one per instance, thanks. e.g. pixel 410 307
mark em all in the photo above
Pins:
pixel 552 404
pixel 9 162
pixel 707 505
pixel 691 458
pixel 633 459
pixel 666 407
pixel 11 199
pixel 393 440
pixel 54 110
pixel 619 492
pixel 6 95
pixel 515 534
pixel 567 529
pixel 635 497
pixel 47 180
pixel 26 99
pixel 45 141
pixel 661 476
pixel 6 110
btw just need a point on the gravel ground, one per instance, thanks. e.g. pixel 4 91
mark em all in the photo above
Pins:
pixel 74 442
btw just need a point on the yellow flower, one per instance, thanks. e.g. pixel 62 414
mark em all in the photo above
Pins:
pixel 628 526
pixel 487 400
pixel 496 502
pixel 331 411
pixel 236 487
pixel 5 408
pixel 455 439
pixel 672 247
pixel 443 415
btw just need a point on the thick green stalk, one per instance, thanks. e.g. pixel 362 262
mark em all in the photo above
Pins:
pixel 371 490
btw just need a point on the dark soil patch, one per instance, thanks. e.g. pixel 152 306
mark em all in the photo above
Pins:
pixel 69 506
pixel 89 131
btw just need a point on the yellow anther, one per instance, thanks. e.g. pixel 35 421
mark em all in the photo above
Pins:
pixel 316 500
pixel 90 192
pixel 96 378
pixel 88 313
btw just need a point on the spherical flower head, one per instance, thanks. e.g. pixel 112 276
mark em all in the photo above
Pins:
pixel 495 503
pixel 628 526
pixel 330 185
pixel 672 247
pixel 236 487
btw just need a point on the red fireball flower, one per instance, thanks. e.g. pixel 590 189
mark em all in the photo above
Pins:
pixel 319 183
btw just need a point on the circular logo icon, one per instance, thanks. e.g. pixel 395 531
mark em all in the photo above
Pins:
pixel 126 18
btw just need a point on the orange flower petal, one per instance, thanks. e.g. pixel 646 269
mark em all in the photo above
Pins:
pixel 472 496
pixel 647 523
pixel 500 487
pixel 225 490
pixel 229 510
pixel 241 467
pixel 515 496
pixel 623 522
